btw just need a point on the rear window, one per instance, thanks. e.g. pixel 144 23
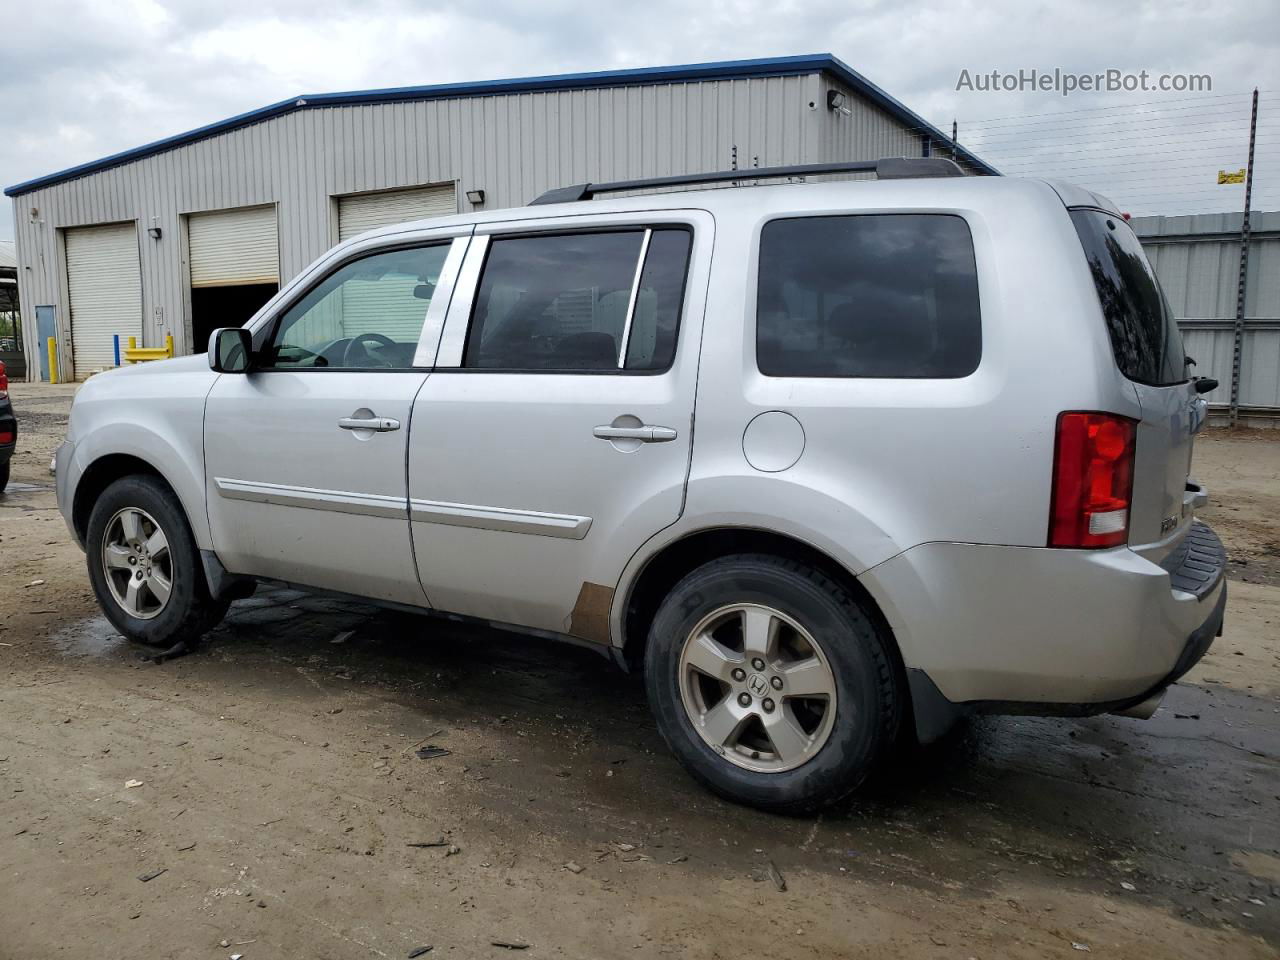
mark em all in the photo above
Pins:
pixel 1144 335
pixel 873 295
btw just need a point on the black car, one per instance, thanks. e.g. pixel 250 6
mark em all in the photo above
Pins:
pixel 8 429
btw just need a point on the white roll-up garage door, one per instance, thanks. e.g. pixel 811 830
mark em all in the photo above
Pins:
pixel 365 211
pixel 231 248
pixel 388 307
pixel 105 284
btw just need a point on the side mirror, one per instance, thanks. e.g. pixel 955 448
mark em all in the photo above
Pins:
pixel 230 349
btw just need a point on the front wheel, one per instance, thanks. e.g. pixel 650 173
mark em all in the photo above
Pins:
pixel 145 567
pixel 770 684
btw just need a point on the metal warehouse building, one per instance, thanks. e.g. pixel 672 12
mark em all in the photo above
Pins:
pixel 197 231
pixel 1197 259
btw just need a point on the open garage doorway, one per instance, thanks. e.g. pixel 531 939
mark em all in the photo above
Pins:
pixel 235 268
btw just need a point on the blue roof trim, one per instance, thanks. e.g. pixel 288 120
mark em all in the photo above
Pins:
pixel 719 70
pixel 897 108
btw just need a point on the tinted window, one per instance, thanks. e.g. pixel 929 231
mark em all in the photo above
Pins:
pixel 886 295
pixel 1144 335
pixel 651 344
pixel 366 314
pixel 560 302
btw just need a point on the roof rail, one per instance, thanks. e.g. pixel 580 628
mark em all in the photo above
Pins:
pixel 887 168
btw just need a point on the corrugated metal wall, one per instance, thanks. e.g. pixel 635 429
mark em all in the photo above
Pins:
pixel 1197 259
pixel 513 147
pixel 865 133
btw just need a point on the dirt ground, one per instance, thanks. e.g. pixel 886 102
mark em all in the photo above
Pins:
pixel 281 810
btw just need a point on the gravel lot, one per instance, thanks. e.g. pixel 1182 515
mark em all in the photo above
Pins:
pixel 281 795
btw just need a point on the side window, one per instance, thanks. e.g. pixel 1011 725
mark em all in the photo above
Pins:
pixel 565 301
pixel 651 344
pixel 873 295
pixel 367 314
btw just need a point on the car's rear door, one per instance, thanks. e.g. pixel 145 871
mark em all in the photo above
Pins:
pixel 553 436
pixel 305 454
pixel 1149 352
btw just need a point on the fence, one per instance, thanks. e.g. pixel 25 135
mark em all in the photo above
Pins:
pixel 1197 259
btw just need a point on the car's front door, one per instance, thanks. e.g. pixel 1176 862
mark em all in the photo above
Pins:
pixel 305 454
pixel 553 436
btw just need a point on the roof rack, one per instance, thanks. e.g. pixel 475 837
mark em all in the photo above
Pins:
pixel 887 168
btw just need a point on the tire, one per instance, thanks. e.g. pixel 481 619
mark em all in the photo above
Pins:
pixel 186 610
pixel 844 730
pixel 4 475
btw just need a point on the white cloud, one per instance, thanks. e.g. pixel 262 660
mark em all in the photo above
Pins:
pixel 89 79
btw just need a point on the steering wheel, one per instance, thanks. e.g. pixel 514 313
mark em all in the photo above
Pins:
pixel 362 338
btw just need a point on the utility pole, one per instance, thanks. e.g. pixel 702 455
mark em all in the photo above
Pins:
pixel 1242 284
pixel 955 130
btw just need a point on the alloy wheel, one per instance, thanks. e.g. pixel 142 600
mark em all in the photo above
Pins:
pixel 757 688
pixel 137 563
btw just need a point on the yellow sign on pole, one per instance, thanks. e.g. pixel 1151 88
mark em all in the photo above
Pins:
pixel 1231 176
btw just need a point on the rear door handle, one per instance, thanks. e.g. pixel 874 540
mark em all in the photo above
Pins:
pixel 376 424
pixel 643 433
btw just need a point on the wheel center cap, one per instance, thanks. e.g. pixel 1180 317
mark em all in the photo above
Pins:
pixel 758 685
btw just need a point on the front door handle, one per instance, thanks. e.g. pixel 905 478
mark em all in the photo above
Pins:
pixel 376 424
pixel 644 433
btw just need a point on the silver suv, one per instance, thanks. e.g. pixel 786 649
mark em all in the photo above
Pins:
pixel 831 462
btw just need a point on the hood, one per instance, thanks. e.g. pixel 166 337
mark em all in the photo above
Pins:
pixel 199 361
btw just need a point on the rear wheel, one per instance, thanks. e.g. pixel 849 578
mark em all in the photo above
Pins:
pixel 145 567
pixel 770 684
pixel 4 475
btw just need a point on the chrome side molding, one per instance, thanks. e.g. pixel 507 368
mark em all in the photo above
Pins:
pixel 566 526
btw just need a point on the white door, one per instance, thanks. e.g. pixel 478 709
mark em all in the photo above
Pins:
pixel 553 436
pixel 231 248
pixel 366 211
pixel 105 284
pixel 305 454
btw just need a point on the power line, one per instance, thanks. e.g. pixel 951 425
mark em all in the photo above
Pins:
pixel 1127 106
pixel 1215 144
pixel 1146 133
pixel 1087 156
pixel 1162 123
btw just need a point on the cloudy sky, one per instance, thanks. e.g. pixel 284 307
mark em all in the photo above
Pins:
pixel 80 80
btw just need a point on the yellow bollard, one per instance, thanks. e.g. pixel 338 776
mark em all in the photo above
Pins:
pixel 52 347
pixel 168 345
pixel 133 345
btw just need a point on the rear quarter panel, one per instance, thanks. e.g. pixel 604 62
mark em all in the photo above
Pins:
pixel 890 463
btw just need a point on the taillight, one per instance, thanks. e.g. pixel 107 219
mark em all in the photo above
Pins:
pixel 1092 480
pixel 4 382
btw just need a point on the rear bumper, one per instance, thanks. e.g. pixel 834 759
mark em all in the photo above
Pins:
pixel 1053 632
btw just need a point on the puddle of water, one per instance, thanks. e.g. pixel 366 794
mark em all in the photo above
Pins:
pixel 15 487
pixel 95 637
pixel 262 616
pixel 267 596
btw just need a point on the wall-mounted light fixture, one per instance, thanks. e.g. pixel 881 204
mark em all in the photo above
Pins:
pixel 156 232
pixel 475 197
pixel 837 101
